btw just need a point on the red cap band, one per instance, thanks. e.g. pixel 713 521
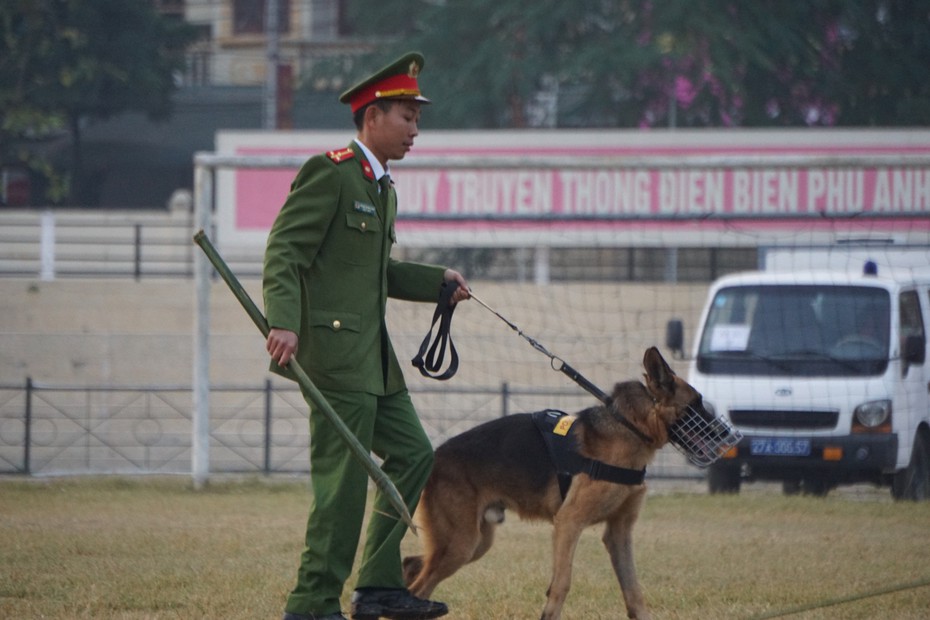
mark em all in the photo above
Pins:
pixel 401 85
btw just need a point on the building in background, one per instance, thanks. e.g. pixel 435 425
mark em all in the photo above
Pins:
pixel 137 163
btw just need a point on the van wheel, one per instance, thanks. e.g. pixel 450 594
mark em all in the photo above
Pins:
pixel 913 482
pixel 723 479
pixel 818 487
pixel 791 486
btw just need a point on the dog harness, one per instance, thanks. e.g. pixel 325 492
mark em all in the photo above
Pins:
pixel 556 429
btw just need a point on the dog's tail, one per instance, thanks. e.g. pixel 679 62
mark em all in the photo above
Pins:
pixel 413 566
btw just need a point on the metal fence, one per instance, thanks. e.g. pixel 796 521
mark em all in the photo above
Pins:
pixel 261 429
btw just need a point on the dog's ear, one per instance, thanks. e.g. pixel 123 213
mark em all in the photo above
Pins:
pixel 660 378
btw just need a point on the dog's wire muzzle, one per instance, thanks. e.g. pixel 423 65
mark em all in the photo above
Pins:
pixel 702 441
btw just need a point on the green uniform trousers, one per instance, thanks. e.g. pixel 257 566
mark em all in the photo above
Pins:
pixel 389 427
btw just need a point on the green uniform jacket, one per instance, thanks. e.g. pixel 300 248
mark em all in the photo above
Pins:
pixel 328 274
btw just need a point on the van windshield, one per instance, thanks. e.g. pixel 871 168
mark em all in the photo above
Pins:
pixel 797 331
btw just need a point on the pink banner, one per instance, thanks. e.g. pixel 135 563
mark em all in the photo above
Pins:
pixel 598 193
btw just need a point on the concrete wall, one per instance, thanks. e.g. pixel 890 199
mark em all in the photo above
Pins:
pixel 124 332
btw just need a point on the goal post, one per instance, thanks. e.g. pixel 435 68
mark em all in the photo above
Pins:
pixel 611 241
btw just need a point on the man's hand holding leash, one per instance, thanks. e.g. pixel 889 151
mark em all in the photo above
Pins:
pixel 282 343
pixel 463 292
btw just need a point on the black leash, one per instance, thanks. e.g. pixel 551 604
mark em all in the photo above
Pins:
pixel 556 362
pixel 433 362
pixel 559 364
pixel 429 358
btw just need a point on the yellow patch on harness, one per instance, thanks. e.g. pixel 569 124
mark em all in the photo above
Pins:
pixel 563 425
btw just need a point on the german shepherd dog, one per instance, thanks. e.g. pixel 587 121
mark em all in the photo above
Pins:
pixel 504 464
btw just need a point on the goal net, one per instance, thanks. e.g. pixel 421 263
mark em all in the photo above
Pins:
pixel 591 255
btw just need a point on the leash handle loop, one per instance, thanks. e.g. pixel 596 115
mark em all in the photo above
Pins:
pixel 429 358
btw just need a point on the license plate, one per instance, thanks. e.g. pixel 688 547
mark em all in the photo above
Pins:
pixel 780 447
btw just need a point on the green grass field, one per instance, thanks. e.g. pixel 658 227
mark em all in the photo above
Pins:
pixel 133 548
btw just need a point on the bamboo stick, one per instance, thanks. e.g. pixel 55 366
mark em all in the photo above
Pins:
pixel 319 402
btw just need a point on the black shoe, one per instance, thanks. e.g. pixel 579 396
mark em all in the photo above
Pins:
pixel 334 616
pixel 396 604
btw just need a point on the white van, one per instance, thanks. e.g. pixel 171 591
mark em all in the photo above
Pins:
pixel 824 371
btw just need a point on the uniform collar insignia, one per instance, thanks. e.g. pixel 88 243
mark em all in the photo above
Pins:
pixel 367 171
pixel 364 154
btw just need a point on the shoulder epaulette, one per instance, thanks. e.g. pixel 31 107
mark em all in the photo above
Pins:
pixel 341 155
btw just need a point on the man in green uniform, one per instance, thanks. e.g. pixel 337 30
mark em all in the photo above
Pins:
pixel 327 277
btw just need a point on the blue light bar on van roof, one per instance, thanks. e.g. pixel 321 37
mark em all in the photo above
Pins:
pixel 870 268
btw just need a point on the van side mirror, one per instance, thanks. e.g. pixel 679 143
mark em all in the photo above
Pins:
pixel 675 337
pixel 915 350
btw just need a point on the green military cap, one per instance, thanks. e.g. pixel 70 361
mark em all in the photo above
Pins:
pixel 397 80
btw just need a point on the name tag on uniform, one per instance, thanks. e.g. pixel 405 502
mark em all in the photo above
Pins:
pixel 361 207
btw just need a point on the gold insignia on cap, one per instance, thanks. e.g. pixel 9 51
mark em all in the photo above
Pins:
pixel 414 69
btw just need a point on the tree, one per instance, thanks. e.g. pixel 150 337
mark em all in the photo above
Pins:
pixel 886 63
pixel 860 63
pixel 498 63
pixel 64 63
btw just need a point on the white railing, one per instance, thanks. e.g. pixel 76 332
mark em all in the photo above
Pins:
pixel 53 243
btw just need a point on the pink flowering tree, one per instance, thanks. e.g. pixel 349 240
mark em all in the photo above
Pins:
pixel 660 63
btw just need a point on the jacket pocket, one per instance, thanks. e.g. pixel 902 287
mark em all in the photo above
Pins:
pixel 361 240
pixel 334 338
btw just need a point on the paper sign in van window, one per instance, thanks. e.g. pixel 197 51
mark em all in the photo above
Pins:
pixel 731 337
